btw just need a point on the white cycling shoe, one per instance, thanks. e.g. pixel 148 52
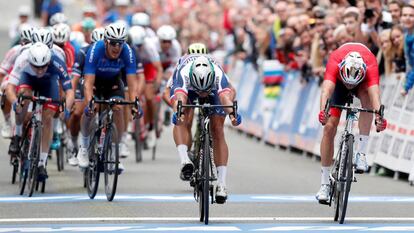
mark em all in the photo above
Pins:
pixel 123 150
pixel 7 130
pixel 83 158
pixel 361 164
pixel 221 194
pixel 323 194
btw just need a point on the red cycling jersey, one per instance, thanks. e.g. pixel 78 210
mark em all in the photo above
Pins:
pixel 332 68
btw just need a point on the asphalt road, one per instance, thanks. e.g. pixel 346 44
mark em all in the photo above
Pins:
pixel 269 190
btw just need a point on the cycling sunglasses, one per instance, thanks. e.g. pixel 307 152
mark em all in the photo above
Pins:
pixel 39 67
pixel 116 42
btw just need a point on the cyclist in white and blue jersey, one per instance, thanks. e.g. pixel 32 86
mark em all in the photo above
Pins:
pixel 43 74
pixel 199 76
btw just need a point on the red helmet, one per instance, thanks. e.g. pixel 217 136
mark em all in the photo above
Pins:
pixel 352 69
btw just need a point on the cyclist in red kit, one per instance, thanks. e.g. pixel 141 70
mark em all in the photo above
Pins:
pixel 352 68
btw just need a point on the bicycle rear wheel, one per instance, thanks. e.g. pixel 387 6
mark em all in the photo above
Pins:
pixel 111 163
pixel 15 165
pixel 24 162
pixel 345 174
pixel 138 142
pixel 60 156
pixel 93 172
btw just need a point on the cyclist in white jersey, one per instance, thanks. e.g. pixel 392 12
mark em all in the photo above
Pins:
pixel 143 19
pixel 5 67
pixel 153 71
pixel 168 48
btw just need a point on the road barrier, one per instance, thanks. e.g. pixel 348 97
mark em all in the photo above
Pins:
pixel 281 108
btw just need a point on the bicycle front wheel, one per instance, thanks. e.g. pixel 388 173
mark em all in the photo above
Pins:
pixel 206 178
pixel 92 172
pixel 60 157
pixel 345 179
pixel 138 141
pixel 111 163
pixel 34 153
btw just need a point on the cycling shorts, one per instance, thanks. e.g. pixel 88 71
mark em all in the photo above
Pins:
pixel 339 97
pixel 47 87
pixel 150 72
pixel 213 100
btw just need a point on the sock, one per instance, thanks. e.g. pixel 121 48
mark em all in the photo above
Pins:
pixel 18 130
pixel 85 142
pixel 124 137
pixel 42 159
pixel 325 175
pixel 362 143
pixel 222 173
pixel 182 152
pixel 55 125
pixel 7 117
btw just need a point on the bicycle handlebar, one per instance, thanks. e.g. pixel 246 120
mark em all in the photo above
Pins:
pixel 204 106
pixel 114 101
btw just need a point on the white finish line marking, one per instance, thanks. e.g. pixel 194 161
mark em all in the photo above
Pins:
pixel 216 219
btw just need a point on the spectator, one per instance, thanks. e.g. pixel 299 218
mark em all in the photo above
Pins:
pixel 49 8
pixel 395 9
pixel 384 56
pixel 120 13
pixel 397 49
pixel 352 24
pixel 407 20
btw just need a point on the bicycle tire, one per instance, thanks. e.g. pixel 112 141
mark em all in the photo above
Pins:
pixel 347 175
pixel 335 192
pixel 15 165
pixel 92 179
pixel 24 163
pixel 138 141
pixel 60 160
pixel 157 127
pixel 34 153
pixel 43 186
pixel 109 169
pixel 206 177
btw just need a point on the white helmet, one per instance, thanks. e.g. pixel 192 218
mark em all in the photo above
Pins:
pixel 115 31
pixel 78 37
pixel 137 35
pixel 121 3
pixel 57 18
pixel 202 74
pixel 97 34
pixel 141 19
pixel 42 35
pixel 166 32
pixel 352 69
pixel 61 33
pixel 26 31
pixel 39 54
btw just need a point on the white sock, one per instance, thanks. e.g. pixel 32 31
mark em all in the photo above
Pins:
pixel 85 142
pixel 362 143
pixel 18 130
pixel 124 137
pixel 55 125
pixel 42 159
pixel 325 175
pixel 222 173
pixel 182 152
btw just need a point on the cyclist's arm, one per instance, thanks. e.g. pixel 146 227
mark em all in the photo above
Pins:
pixel 177 97
pixel 226 98
pixel 374 96
pixel 160 70
pixel 88 87
pixel 134 85
pixel 327 89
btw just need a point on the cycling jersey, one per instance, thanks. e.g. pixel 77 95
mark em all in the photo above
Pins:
pixel 181 80
pixel 6 65
pixel 336 57
pixel 170 58
pixel 103 68
pixel 148 54
pixel 70 56
pixel 47 85
pixel 80 61
pixel 23 60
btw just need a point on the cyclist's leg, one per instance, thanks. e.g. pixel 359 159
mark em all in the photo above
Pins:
pixel 6 109
pixel 221 155
pixel 365 122
pixel 150 111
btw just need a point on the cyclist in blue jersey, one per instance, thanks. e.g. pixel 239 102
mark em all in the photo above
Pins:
pixel 79 106
pixel 42 74
pixel 199 76
pixel 104 64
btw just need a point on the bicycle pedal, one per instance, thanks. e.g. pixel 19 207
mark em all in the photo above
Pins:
pixel 322 202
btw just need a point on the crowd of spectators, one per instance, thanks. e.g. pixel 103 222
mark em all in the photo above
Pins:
pixel 299 33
